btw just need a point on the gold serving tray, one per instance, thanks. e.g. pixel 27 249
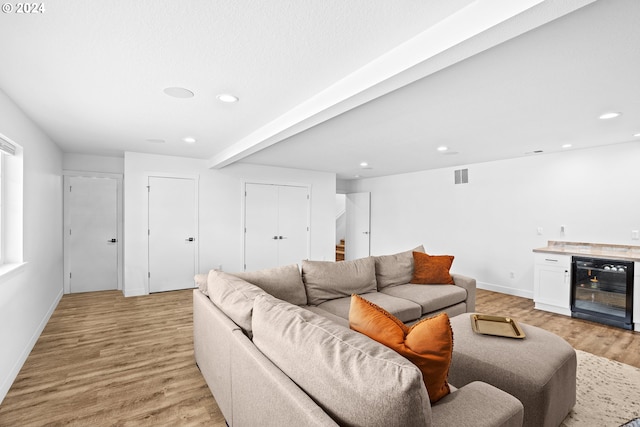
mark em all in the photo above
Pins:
pixel 496 325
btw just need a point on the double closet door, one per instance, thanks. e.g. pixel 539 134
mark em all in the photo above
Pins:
pixel 276 229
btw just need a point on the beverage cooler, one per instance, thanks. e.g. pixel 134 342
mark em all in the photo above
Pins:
pixel 602 291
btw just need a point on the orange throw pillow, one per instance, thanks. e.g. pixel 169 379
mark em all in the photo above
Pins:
pixel 428 343
pixel 431 269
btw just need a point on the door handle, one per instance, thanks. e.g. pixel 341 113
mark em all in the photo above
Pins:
pixel 190 239
pixel 280 237
pixel 275 237
pixel 112 241
pixel 365 232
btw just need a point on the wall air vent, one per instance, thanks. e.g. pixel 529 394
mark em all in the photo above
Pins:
pixel 461 176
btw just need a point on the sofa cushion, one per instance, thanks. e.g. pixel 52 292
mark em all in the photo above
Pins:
pixel 431 298
pixel 431 269
pixel 354 379
pixel 428 343
pixel 403 309
pixel 233 296
pixel 282 282
pixel 397 269
pixel 326 280
pixel 201 282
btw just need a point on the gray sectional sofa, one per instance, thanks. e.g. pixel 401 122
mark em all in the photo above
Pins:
pixel 275 348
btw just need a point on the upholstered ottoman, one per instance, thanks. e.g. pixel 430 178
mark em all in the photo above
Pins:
pixel 539 370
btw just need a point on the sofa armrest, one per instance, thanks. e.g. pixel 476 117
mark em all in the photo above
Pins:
pixel 468 405
pixel 468 284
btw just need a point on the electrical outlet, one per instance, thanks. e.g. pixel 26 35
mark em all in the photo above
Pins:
pixel 539 230
pixel 512 275
pixel 562 229
pixel 635 235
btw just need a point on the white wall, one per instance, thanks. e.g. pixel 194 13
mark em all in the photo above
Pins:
pixel 90 163
pixel 490 225
pixel 29 295
pixel 220 211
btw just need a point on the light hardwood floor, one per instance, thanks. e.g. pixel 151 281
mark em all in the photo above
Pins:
pixel 106 360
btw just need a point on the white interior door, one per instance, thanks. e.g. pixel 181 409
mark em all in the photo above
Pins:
pixel 172 233
pixel 91 229
pixel 261 227
pixel 358 235
pixel 276 225
pixel 293 224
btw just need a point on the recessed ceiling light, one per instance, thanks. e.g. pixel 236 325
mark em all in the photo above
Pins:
pixel 364 164
pixel 610 115
pixel 156 141
pixel 442 148
pixel 226 97
pixel 636 134
pixel 178 92
pixel 189 140
pixel 566 145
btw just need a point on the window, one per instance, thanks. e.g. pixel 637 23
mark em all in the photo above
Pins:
pixel 10 205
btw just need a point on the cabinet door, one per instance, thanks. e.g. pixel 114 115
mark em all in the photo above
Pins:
pixel 552 283
pixel 636 297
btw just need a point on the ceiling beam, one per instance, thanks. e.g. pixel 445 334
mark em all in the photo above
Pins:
pixel 473 29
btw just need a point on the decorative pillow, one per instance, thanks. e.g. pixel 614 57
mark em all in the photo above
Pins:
pixel 284 282
pixel 327 280
pixel 397 269
pixel 201 282
pixel 432 269
pixel 428 343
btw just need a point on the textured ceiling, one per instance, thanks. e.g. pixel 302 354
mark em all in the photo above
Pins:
pixel 326 84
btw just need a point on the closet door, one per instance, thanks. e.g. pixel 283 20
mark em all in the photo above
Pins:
pixel 261 227
pixel 293 224
pixel 358 241
pixel 276 225
pixel 91 235
pixel 172 233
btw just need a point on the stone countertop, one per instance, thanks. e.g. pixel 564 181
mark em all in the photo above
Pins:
pixel 596 250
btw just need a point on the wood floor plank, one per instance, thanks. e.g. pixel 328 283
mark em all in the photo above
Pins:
pixel 106 360
pixel 602 340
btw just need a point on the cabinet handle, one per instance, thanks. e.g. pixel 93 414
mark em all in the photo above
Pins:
pixel 549 259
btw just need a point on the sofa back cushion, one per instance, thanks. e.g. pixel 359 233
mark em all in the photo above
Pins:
pixel 327 280
pixel 397 269
pixel 234 297
pixel 201 280
pixel 351 377
pixel 284 282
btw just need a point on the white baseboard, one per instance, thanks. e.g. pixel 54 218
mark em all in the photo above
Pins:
pixel 6 385
pixel 505 290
